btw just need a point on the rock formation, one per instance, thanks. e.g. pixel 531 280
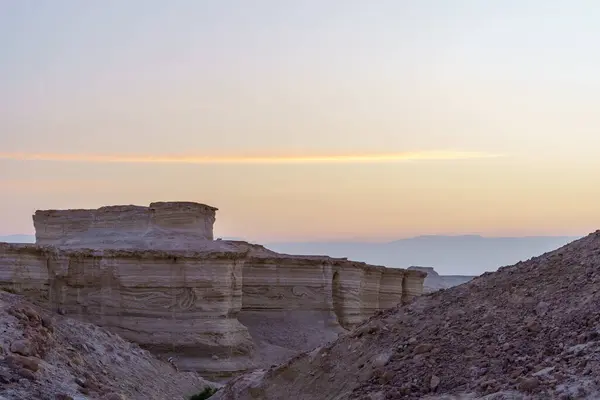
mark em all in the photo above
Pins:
pixel 529 331
pixel 218 307
pixel 47 356
pixel 163 224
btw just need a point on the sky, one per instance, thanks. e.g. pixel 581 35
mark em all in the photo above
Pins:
pixel 307 120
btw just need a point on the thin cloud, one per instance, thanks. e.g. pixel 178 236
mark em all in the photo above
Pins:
pixel 246 159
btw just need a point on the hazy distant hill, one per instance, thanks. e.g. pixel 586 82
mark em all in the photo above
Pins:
pixel 434 281
pixel 449 255
pixel 18 239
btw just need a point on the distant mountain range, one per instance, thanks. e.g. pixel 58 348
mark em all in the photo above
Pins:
pixel 434 281
pixel 18 239
pixel 449 255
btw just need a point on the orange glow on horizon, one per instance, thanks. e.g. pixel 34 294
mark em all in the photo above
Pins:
pixel 248 159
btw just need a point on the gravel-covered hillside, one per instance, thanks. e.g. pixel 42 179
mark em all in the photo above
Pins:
pixel 531 330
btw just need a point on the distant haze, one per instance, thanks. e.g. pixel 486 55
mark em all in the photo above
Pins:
pixel 449 255
pixel 18 239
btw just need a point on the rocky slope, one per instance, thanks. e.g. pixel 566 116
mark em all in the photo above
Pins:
pixel 45 356
pixel 528 331
pixel 435 281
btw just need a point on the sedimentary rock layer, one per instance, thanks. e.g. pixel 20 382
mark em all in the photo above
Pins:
pixel 287 303
pixel 300 302
pixel 161 225
pixel 217 312
pixel 183 304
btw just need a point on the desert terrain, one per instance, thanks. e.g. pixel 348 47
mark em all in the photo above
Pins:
pixel 47 356
pixel 528 331
pixel 133 302
pixel 154 276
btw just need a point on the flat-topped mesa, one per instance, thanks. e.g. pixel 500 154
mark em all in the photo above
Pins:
pixel 165 225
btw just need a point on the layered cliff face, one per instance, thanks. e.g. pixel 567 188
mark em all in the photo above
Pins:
pixel 161 225
pixel 217 312
pixel 360 290
pixel 173 303
pixel 287 305
pixel 219 307
pixel 300 302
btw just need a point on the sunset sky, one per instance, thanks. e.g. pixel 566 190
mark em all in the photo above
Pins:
pixel 306 120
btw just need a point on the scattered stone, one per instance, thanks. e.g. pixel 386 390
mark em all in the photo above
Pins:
pixel 22 347
pixel 5 377
pixel 381 359
pixel 534 326
pixel 542 308
pixel 30 363
pixel 377 396
pixel 529 384
pixel 423 348
pixel 25 373
pixel 387 377
pixel 544 371
pixel 31 314
pixel 84 390
pixel 114 396
pixel 434 383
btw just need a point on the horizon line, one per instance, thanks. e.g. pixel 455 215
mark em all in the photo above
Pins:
pixel 379 240
pixel 435 155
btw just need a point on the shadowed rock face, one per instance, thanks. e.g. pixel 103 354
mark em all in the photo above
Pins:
pixel 170 224
pixel 219 307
